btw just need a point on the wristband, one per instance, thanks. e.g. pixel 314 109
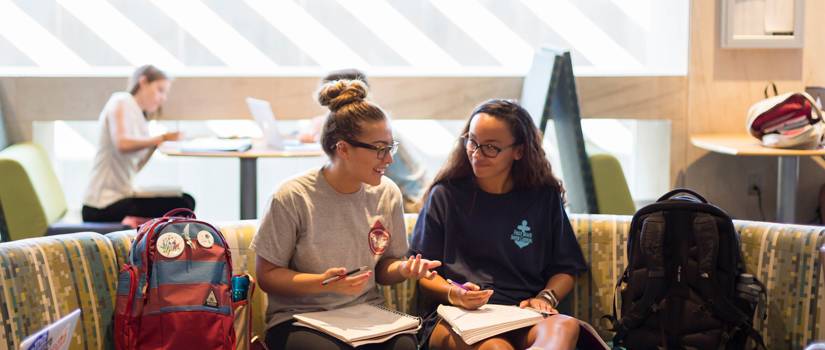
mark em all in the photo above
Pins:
pixel 549 296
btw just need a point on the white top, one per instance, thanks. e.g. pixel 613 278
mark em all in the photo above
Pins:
pixel 113 170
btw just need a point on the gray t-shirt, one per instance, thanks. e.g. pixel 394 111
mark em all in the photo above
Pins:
pixel 309 227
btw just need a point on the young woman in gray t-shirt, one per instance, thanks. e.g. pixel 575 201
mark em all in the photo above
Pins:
pixel 335 219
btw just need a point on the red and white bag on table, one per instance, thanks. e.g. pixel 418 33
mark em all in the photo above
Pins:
pixel 790 120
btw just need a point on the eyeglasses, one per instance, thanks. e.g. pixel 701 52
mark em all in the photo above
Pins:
pixel 380 150
pixel 488 150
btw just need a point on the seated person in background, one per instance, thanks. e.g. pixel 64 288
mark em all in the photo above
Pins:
pixel 326 221
pixel 404 171
pixel 495 217
pixel 125 146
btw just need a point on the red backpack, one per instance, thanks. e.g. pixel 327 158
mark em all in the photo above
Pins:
pixel 174 290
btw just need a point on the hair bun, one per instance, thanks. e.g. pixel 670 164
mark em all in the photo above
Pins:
pixel 339 93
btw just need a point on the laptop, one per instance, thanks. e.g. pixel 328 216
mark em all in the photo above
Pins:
pixel 56 336
pixel 262 113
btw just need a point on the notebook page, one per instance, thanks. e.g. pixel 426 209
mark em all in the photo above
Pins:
pixel 359 322
pixel 487 316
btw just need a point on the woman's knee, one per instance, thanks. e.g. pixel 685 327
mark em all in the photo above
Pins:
pixel 402 342
pixel 496 343
pixel 441 337
pixel 564 324
pixel 290 337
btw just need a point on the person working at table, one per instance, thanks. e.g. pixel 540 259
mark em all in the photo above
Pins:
pixel 124 148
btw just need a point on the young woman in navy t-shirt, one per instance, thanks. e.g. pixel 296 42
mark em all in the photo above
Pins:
pixel 495 218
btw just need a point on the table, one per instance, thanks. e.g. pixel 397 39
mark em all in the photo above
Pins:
pixel 248 170
pixel 746 145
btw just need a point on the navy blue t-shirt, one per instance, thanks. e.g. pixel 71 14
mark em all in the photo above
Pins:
pixel 511 243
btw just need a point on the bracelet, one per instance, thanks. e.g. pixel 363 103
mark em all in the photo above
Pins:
pixel 549 296
pixel 449 300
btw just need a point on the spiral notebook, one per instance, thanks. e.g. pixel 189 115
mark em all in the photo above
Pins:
pixel 491 320
pixel 360 324
pixel 56 336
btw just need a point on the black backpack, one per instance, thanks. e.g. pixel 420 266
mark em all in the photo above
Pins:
pixel 685 285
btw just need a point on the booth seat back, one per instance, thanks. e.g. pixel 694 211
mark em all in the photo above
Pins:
pixel 784 257
pixel 45 278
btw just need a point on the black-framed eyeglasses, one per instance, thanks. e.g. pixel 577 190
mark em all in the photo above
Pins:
pixel 380 150
pixel 488 150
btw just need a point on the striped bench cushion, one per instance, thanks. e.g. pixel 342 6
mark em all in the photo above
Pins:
pixel 784 257
pixel 48 277
pixel 45 278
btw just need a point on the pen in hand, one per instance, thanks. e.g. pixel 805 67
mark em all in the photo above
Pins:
pixel 469 295
pixel 456 284
pixel 340 277
pixel 543 313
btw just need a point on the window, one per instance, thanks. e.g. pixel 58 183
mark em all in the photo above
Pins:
pixel 464 37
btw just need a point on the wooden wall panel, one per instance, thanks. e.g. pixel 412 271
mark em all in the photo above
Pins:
pixel 30 99
pixel 722 84
pixel 80 98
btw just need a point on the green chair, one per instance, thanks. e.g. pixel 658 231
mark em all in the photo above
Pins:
pixel 4 140
pixel 612 194
pixel 31 198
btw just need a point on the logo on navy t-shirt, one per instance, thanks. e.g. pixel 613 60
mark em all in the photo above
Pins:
pixel 522 235
pixel 379 238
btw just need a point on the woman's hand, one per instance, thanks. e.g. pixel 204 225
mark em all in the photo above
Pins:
pixel 418 268
pixel 171 136
pixel 538 304
pixel 470 298
pixel 346 285
pixel 167 136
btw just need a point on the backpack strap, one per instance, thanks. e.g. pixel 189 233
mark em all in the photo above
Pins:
pixel 651 244
pixel 706 232
pixel 614 318
pixel 707 241
pixel 770 84
pixel 729 313
pixel 187 213
pixel 682 191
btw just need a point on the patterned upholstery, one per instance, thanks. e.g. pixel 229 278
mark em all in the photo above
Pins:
pixel 784 257
pixel 239 234
pixel 602 239
pixel 45 278
pixel 121 243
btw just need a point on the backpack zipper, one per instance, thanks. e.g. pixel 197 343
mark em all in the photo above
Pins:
pixel 679 273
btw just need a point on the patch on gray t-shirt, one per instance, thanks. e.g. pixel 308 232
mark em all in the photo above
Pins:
pixel 309 227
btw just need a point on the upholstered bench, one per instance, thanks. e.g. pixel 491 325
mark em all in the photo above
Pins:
pixel 45 278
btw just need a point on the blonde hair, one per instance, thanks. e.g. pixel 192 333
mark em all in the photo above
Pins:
pixel 348 108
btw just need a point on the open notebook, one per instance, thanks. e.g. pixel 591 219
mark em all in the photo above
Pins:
pixel 491 319
pixel 56 336
pixel 360 324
